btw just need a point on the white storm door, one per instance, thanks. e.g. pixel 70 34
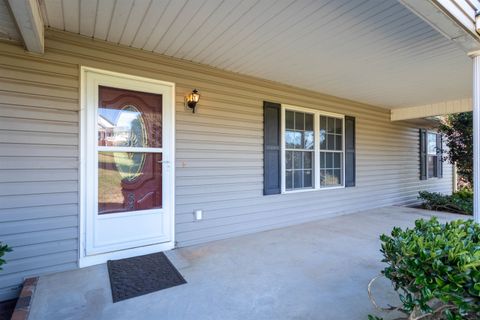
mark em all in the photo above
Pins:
pixel 129 158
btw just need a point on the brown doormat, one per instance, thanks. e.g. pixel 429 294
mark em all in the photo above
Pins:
pixel 133 277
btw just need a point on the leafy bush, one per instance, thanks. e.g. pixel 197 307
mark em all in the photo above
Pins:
pixel 465 194
pixel 3 249
pixel 459 202
pixel 458 130
pixel 435 268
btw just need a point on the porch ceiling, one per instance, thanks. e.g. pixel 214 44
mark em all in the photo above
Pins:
pixel 8 29
pixel 373 51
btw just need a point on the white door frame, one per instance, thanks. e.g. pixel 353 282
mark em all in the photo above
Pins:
pixel 87 138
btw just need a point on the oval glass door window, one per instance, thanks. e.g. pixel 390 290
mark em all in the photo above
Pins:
pixel 130 154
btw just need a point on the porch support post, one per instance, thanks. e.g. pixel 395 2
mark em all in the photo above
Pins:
pixel 476 137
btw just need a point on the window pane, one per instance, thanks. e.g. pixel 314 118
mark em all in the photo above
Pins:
pixel 289 120
pixel 330 142
pixel 432 166
pixel 323 177
pixel 323 122
pixel 299 121
pixel 432 143
pixel 337 176
pixel 329 158
pixel 323 139
pixel 297 160
pixel 288 180
pixel 129 181
pixel 330 180
pixel 309 122
pixel 337 160
pixel 338 143
pixel 330 125
pixel 309 140
pixel 289 139
pixel 338 126
pixel 288 159
pixel 322 159
pixel 126 123
pixel 298 179
pixel 298 140
pixel 307 160
pixel 331 173
pixel 307 178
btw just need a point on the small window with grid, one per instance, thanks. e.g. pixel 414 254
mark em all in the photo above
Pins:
pixel 331 151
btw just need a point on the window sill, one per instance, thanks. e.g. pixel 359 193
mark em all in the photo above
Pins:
pixel 312 190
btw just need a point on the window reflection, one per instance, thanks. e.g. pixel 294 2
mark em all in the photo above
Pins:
pixel 299 144
pixel 127 130
pixel 129 181
pixel 130 123
pixel 432 143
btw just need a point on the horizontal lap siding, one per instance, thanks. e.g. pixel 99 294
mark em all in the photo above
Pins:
pixel 38 166
pixel 219 153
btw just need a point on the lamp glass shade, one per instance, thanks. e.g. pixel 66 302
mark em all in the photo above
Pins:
pixel 194 96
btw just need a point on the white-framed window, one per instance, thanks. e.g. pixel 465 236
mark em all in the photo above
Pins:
pixel 313 152
pixel 432 155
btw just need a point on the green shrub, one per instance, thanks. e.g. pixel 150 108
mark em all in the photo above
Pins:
pixel 459 202
pixel 3 249
pixel 465 194
pixel 435 268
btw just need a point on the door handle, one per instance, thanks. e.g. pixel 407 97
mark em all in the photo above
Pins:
pixel 163 161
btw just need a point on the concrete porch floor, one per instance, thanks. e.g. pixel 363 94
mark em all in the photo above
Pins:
pixel 317 270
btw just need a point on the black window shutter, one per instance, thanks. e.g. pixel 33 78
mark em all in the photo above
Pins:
pixel 423 154
pixel 439 156
pixel 271 148
pixel 349 151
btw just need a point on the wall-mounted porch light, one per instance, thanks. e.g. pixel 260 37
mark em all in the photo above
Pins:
pixel 191 100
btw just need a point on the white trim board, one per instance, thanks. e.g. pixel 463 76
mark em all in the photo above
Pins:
pixel 430 110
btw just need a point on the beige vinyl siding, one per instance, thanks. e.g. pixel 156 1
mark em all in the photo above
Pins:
pixel 38 166
pixel 219 153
